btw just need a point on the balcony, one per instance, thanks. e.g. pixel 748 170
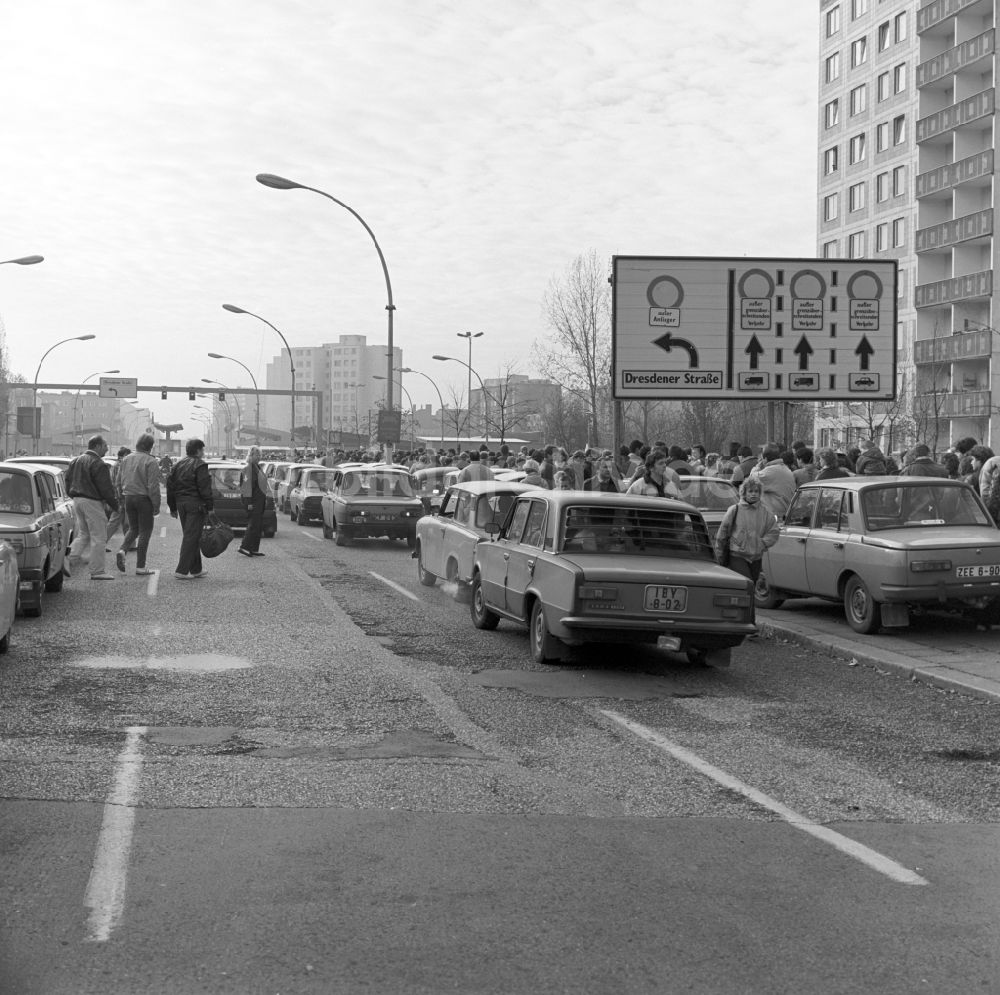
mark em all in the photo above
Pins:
pixel 966 404
pixel 978 167
pixel 965 229
pixel 950 348
pixel 974 108
pixel 960 288
pixel 957 58
pixel 939 10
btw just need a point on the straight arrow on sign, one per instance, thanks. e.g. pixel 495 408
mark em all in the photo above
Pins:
pixel 864 352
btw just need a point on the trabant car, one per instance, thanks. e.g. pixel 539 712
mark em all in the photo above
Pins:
pixel 226 476
pixel 447 539
pixel 431 482
pixel 305 498
pixel 885 546
pixel 370 500
pixel 37 520
pixel 712 496
pixel 283 488
pixel 593 567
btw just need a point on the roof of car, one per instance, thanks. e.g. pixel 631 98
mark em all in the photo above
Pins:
pixel 863 481
pixel 495 487
pixel 560 498
pixel 42 460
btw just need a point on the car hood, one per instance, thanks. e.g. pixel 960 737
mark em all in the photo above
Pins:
pixel 946 538
pixel 16 523
pixel 608 568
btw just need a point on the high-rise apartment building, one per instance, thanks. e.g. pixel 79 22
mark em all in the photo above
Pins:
pixel 866 208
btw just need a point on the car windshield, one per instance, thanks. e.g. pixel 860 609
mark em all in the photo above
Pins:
pixel 708 494
pixel 493 508
pixel 15 494
pixel 318 481
pixel 912 505
pixel 373 483
pixel 635 532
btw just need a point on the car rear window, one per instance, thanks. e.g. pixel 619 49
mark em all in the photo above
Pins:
pixel 317 481
pixel 708 494
pixel 15 494
pixel 225 479
pixel 635 532
pixel 897 506
pixel 362 483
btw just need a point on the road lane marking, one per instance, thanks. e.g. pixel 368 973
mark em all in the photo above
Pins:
pixel 872 858
pixel 105 895
pixel 309 535
pixel 394 585
pixel 152 585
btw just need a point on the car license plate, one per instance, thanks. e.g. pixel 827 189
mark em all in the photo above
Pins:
pixel 980 570
pixel 384 518
pixel 231 494
pixel 666 599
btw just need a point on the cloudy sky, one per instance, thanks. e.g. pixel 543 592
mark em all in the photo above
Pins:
pixel 486 145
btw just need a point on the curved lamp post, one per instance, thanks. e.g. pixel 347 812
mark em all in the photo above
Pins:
pixel 291 363
pixel 253 380
pixel 280 183
pixel 76 400
pixel 35 426
pixel 486 393
pixel 236 401
pixel 24 260
pixel 470 336
pixel 406 369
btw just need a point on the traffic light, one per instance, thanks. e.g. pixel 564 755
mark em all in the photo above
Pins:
pixel 163 394
pixel 190 395
pixel 222 395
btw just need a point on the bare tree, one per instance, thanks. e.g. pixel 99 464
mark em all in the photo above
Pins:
pixel 577 308
pixel 457 415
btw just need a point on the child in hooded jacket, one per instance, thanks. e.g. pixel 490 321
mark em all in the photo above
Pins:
pixel 748 529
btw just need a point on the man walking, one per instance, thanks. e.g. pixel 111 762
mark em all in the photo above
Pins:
pixel 189 498
pixel 139 480
pixel 88 482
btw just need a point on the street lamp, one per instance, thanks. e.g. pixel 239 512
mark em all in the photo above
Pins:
pixel 280 183
pixel 207 420
pixel 406 369
pixel 24 260
pixel 253 380
pixel 409 399
pixel 291 363
pixel 470 336
pixel 35 422
pixel 76 400
pixel 486 393
pixel 236 400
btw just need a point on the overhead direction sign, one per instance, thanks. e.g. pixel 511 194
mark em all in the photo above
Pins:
pixel 119 387
pixel 735 329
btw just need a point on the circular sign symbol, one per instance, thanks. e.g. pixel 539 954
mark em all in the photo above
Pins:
pixel 807 284
pixel 654 287
pixel 865 285
pixel 756 283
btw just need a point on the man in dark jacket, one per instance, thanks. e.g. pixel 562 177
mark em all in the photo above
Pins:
pixel 189 498
pixel 871 462
pixel 920 464
pixel 88 482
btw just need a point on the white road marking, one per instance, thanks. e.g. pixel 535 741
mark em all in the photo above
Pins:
pixel 105 895
pixel 309 535
pixel 877 861
pixel 152 585
pixel 394 586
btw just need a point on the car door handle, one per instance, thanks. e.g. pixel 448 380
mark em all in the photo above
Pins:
pixel 531 566
pixel 506 556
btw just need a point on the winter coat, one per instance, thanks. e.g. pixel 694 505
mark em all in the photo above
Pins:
pixel 747 530
pixel 872 463
pixel 777 485
pixel 647 486
pixel 989 486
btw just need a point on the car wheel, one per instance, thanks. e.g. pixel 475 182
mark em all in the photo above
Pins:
pixel 544 646
pixel 5 642
pixel 302 518
pixel 423 575
pixel 343 536
pixel 34 607
pixel 766 596
pixel 482 617
pixel 269 534
pixel 697 656
pixel 411 542
pixel 55 582
pixel 862 610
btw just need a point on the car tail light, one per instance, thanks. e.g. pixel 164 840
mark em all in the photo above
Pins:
pixel 731 601
pixel 592 593
pixel 929 566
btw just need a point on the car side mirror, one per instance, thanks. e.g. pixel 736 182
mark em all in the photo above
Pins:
pixel 492 529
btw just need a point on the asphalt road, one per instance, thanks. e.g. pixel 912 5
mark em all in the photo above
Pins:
pixel 307 773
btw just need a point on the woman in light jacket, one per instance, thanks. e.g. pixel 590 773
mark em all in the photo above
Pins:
pixel 747 529
pixel 253 489
pixel 657 479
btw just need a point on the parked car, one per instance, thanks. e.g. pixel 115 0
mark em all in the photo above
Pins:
pixel 712 496
pixel 884 547
pixel 305 498
pixel 592 567
pixel 37 520
pixel 9 601
pixel 228 501
pixel 446 540
pixel 431 483
pixel 370 500
pixel 277 472
pixel 283 492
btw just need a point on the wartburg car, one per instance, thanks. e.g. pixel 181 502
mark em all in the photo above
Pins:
pixel 590 567
pixel 370 500
pixel 306 496
pixel 885 547
pixel 447 540
pixel 37 520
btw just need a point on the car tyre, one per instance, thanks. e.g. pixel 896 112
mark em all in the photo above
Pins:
pixel 482 617
pixel 411 542
pixel 5 642
pixel 544 646
pixel 269 534
pixel 34 610
pixel 766 596
pixel 423 574
pixel 863 612
pixel 55 583
pixel 301 517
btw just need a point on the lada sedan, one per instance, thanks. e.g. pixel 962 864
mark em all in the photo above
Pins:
pixel 37 520
pixel 370 500
pixel 306 497
pixel 447 539
pixel 226 476
pixel 885 546
pixel 590 567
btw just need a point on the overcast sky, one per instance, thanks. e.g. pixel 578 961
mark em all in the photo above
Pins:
pixel 486 145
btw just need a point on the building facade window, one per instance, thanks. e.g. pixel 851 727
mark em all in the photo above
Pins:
pixel 858 7
pixel 831 114
pixel 899 78
pixel 830 162
pixel 899 129
pixel 856 245
pixel 899 233
pixel 859 52
pixel 830 250
pixel 859 99
pixel 884 90
pixel 856 197
pixel 858 149
pixel 899 181
pixel 832 21
pixel 881 237
pixel 832 67
pixel 884 36
pixel 882 137
pixel 881 187
pixel 901 27
pixel 831 207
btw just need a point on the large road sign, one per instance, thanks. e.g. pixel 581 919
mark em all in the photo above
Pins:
pixel 774 329
pixel 119 387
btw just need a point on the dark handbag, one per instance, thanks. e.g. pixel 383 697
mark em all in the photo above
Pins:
pixel 215 536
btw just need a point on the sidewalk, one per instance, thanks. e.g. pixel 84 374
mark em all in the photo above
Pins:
pixel 942 653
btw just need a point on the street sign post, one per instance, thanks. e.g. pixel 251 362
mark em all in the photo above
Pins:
pixel 740 329
pixel 119 387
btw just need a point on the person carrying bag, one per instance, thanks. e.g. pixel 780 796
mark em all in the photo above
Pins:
pixel 747 529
